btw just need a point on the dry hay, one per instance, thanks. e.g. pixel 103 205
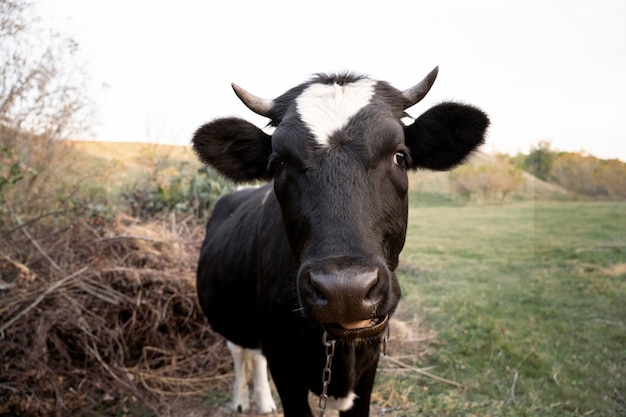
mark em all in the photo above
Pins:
pixel 99 317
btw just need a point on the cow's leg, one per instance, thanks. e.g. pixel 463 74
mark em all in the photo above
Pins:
pixel 291 385
pixel 241 394
pixel 262 391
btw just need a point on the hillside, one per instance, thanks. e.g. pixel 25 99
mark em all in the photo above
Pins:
pixel 438 183
pixel 541 190
pixel 124 164
pixel 127 160
pixel 131 152
pixel 134 155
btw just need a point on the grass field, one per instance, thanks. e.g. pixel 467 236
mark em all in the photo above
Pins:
pixel 528 304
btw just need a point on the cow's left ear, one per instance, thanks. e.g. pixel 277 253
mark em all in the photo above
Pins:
pixel 445 135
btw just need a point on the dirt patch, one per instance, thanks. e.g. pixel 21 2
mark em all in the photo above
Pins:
pixel 615 270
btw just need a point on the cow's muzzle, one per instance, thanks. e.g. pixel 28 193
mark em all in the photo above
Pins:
pixel 347 296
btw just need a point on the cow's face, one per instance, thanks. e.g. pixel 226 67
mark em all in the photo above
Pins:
pixel 338 158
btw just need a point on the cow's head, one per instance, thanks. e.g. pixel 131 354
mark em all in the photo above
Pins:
pixel 338 158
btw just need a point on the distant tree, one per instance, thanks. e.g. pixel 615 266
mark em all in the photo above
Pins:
pixel 612 175
pixel 540 159
pixel 590 176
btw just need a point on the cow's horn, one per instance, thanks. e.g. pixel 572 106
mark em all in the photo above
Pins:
pixel 418 91
pixel 258 105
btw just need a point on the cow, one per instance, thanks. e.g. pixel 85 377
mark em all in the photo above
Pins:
pixel 298 274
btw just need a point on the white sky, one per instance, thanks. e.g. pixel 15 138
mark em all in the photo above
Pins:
pixel 551 69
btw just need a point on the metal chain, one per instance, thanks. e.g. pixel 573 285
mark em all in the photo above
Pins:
pixel 326 373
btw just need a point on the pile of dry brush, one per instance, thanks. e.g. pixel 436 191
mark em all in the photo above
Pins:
pixel 103 317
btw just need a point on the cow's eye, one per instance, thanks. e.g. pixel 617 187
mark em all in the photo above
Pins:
pixel 401 159
pixel 275 166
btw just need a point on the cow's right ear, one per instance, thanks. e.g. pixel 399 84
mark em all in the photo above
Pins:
pixel 235 148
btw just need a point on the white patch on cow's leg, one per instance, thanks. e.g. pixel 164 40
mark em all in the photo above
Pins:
pixel 326 108
pixel 241 393
pixel 246 360
pixel 342 404
pixel 262 393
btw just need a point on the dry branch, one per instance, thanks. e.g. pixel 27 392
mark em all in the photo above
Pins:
pixel 39 299
pixel 422 372
pixel 136 237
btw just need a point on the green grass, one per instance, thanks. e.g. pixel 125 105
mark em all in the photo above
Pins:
pixel 528 302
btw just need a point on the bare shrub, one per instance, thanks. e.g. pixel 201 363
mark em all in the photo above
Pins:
pixel 490 180
pixel 41 85
pixel 42 102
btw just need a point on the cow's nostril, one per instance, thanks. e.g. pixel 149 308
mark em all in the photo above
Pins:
pixel 318 294
pixel 373 294
pixel 318 290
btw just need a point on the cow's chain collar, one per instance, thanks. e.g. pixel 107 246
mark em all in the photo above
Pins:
pixel 326 373
pixel 329 345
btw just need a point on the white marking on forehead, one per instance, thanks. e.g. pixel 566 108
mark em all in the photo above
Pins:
pixel 326 108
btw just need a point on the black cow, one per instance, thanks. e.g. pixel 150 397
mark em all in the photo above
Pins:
pixel 312 253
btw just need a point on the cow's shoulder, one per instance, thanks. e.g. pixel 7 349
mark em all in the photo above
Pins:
pixel 241 205
pixel 237 200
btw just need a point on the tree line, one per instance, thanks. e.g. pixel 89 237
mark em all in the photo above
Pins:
pixel 578 172
pixel 582 175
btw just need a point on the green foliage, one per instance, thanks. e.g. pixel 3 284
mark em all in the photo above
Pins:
pixel 10 169
pixel 170 191
pixel 540 159
pixel 204 190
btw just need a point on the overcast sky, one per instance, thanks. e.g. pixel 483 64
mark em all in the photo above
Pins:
pixel 543 70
